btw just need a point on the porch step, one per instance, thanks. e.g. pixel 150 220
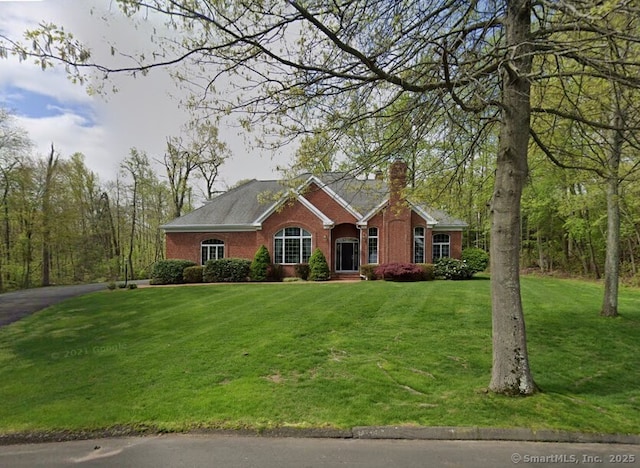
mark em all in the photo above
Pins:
pixel 345 276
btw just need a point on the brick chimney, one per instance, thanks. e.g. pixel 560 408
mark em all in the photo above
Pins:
pixel 397 218
pixel 397 180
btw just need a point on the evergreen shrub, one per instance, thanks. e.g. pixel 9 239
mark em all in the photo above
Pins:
pixel 193 274
pixel 227 270
pixel 318 267
pixel 259 270
pixel 169 271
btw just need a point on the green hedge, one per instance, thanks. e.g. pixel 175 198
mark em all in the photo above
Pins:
pixel 169 271
pixel 193 274
pixel 227 270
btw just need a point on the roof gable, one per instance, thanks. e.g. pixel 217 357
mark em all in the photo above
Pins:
pixel 247 206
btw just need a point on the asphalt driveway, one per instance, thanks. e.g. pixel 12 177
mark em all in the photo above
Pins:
pixel 18 304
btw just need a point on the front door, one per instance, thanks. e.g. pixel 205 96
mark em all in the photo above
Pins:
pixel 347 254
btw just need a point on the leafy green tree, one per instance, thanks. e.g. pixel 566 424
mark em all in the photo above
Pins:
pixel 14 147
pixel 198 152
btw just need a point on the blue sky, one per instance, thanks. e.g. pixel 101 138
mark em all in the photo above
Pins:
pixel 34 105
pixel 142 114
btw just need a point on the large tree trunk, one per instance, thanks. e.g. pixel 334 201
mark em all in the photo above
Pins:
pixel 612 256
pixel 510 372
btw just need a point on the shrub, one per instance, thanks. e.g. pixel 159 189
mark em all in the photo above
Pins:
pixel 259 270
pixel 275 272
pixel 227 270
pixel 318 267
pixel 111 286
pixel 132 286
pixel 369 271
pixel 428 273
pixel 122 285
pixel 193 274
pixel 169 271
pixel 477 260
pixel 302 271
pixel 291 279
pixel 400 272
pixel 452 269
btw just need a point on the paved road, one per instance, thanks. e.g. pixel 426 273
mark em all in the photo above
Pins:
pixel 241 452
pixel 18 304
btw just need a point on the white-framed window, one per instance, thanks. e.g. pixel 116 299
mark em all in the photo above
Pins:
pixel 372 242
pixel 418 245
pixel 292 245
pixel 211 249
pixel 441 246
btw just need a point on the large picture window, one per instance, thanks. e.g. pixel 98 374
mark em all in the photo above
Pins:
pixel 441 246
pixel 373 245
pixel 211 249
pixel 292 245
pixel 418 245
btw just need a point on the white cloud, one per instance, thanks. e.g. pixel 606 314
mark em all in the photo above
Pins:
pixel 141 114
pixel 69 134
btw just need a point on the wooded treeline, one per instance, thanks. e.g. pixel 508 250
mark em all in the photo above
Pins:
pixel 564 213
pixel 60 224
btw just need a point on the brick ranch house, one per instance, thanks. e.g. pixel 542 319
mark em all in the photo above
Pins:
pixel 353 222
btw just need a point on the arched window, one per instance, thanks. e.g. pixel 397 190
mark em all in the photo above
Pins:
pixel 441 246
pixel 211 249
pixel 373 245
pixel 292 245
pixel 418 245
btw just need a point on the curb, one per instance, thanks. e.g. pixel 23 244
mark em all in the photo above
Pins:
pixel 449 433
pixel 488 433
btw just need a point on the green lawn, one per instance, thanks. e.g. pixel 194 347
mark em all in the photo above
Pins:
pixel 326 354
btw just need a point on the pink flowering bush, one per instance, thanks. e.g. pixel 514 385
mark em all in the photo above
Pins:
pixel 400 272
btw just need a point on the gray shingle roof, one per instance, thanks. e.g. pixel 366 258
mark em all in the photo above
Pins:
pixel 243 206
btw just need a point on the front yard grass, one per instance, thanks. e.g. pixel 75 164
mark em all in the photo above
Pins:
pixel 317 355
